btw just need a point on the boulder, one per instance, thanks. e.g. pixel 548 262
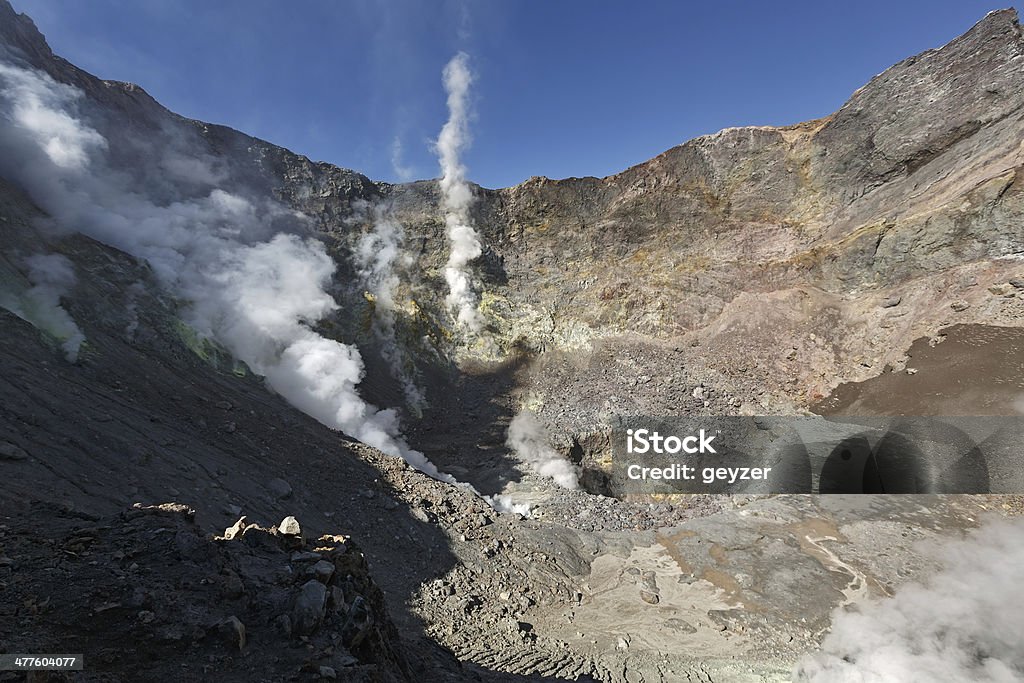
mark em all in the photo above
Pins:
pixel 309 608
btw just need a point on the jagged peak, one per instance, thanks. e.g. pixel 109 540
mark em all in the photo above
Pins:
pixel 993 25
pixel 20 32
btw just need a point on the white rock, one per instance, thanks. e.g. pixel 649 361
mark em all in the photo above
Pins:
pixel 289 526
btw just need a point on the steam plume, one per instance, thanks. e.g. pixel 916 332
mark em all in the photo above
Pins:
pixel 403 171
pixel 253 282
pixel 378 254
pixel 457 196
pixel 52 276
pixel 506 503
pixel 963 625
pixel 526 437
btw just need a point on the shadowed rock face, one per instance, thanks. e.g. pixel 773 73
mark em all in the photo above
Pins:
pixel 212 604
pixel 749 271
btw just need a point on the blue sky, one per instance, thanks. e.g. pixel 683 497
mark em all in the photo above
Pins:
pixel 564 88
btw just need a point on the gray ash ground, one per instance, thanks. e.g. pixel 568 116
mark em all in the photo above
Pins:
pixel 963 370
pixel 582 511
pixel 589 512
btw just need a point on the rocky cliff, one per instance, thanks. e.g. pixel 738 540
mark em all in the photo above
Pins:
pixel 748 235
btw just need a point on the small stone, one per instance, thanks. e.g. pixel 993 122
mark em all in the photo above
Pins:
pixel 289 526
pixel 279 489
pixel 146 617
pixel 650 598
pixel 224 405
pixel 235 530
pixel 337 545
pixel 328 672
pixel 233 631
pixel 323 571
pixel 105 607
pixel 357 626
pixel 891 302
pixel 342 660
pixel 309 607
pixel 1017 282
pixel 1001 290
pixel 8 451
pixel 337 601
pixel 230 427
pixel 911 371
pixel 306 556
pixel 959 306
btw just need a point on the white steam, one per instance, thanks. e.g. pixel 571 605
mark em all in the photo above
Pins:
pixel 457 197
pixel 505 503
pixel 52 276
pixel 964 625
pixel 131 309
pixel 378 253
pixel 35 108
pixel 403 171
pixel 253 288
pixel 527 438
